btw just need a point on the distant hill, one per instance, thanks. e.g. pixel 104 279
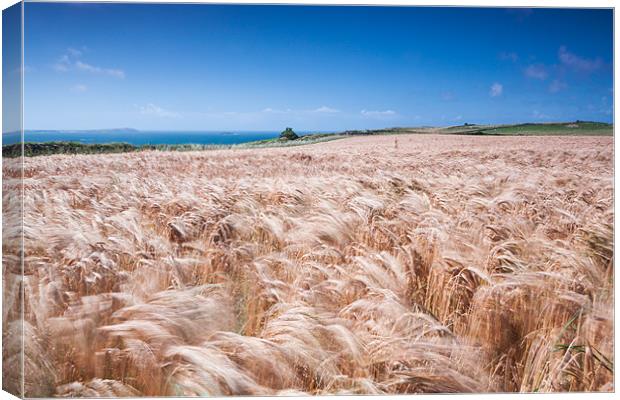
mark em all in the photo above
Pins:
pixel 575 128
pixel 554 128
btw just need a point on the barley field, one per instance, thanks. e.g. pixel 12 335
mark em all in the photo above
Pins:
pixel 367 265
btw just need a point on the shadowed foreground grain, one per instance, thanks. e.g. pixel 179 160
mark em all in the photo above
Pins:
pixel 364 265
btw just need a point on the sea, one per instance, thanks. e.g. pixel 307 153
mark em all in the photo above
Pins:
pixel 143 137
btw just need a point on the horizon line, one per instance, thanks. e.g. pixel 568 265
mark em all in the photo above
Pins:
pixel 308 130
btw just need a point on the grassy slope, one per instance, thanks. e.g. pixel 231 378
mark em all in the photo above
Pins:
pixel 569 129
pixel 579 128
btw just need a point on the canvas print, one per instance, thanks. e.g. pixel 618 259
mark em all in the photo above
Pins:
pixel 287 200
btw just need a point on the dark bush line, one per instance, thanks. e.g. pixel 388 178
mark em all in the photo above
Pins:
pixel 49 148
pixel 40 149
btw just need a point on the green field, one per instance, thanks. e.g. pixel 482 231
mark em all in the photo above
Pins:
pixel 578 128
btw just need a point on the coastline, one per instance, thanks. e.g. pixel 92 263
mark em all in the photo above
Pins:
pixel 576 128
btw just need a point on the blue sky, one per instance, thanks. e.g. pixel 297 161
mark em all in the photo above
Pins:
pixel 11 63
pixel 223 67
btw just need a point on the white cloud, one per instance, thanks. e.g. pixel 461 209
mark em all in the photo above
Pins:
pixel 60 67
pixel 79 88
pixel 605 107
pixel 578 63
pixel 496 89
pixel 557 85
pixel 98 70
pixel 538 115
pixel 300 114
pixel 74 52
pixel 536 71
pixel 71 61
pixel 276 111
pixel 325 109
pixel 152 109
pixel 322 109
pixel 63 64
pixel 378 114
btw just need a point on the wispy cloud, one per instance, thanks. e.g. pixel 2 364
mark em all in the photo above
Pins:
pixel 557 85
pixel 605 106
pixel 98 70
pixel 325 109
pixel 79 88
pixel 71 60
pixel 152 109
pixel 538 115
pixel 536 71
pixel 74 52
pixel 496 90
pixel 323 112
pixel 578 63
pixel 509 56
pixel 63 64
pixel 378 114
pixel 275 110
pixel 319 110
